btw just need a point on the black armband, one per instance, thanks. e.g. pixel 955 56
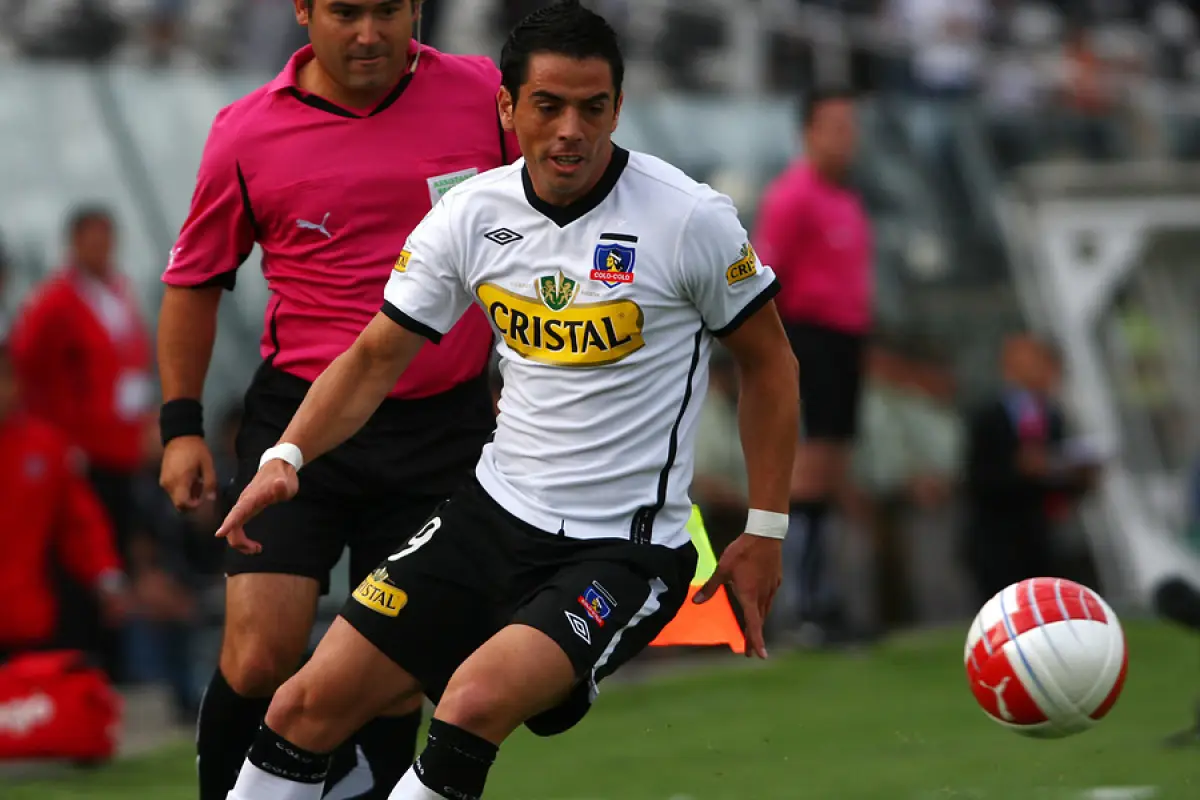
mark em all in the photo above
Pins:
pixel 182 417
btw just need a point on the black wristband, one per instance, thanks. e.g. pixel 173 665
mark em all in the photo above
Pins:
pixel 182 417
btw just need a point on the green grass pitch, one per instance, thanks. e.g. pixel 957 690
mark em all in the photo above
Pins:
pixel 898 724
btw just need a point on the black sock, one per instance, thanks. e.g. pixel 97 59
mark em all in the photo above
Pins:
pixel 455 762
pixel 389 745
pixel 277 756
pixel 809 516
pixel 226 729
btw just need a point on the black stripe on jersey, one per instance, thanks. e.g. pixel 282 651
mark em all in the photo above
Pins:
pixel 619 237
pixel 405 321
pixel 273 329
pixel 322 104
pixel 760 300
pixel 641 530
pixel 228 280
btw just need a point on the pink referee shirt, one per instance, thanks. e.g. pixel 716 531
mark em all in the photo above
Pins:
pixel 817 238
pixel 331 195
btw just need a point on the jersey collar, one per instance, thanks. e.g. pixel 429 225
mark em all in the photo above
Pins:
pixel 288 81
pixel 562 216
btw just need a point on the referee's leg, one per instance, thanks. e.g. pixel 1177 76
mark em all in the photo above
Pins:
pixel 268 620
pixel 270 607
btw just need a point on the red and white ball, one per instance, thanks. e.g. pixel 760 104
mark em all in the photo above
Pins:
pixel 1046 658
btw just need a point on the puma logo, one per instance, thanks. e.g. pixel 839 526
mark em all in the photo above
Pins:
pixel 1001 705
pixel 312 226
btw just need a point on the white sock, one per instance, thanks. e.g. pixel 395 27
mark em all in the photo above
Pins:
pixel 255 784
pixel 411 788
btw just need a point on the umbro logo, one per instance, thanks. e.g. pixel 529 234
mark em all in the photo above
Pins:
pixel 503 236
pixel 579 626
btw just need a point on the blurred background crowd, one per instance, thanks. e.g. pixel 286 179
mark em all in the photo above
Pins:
pixel 104 106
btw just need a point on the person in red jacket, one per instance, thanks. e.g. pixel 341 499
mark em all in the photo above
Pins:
pixel 48 515
pixel 83 357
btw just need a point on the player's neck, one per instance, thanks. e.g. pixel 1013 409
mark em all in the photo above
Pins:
pixel 312 78
pixel 566 200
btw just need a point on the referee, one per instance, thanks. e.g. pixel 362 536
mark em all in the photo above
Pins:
pixel 327 168
pixel 812 229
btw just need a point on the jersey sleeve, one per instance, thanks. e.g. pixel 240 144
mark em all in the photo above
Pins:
pixel 219 232
pixel 427 290
pixel 721 272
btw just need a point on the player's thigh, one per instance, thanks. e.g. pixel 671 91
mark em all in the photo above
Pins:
pixel 347 682
pixel 433 601
pixel 385 527
pixel 602 613
pixel 268 619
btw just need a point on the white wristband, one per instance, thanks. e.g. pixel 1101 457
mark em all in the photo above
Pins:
pixel 770 524
pixel 284 452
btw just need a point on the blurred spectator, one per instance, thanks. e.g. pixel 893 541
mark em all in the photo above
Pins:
pixel 1021 481
pixel 814 232
pixel 83 354
pixel 50 521
pixel 905 466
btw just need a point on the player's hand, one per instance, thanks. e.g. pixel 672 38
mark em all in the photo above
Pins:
pixel 188 474
pixel 275 482
pixel 752 566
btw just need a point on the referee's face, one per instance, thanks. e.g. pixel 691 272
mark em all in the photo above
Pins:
pixel 564 116
pixel 361 44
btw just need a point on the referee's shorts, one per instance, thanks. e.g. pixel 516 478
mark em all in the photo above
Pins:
pixel 831 380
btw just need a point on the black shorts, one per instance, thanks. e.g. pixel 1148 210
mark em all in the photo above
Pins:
pixel 831 377
pixel 473 569
pixel 370 493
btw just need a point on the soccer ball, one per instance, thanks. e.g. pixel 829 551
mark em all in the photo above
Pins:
pixel 1046 658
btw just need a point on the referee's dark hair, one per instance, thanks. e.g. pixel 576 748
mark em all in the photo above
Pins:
pixel 563 28
pixel 818 96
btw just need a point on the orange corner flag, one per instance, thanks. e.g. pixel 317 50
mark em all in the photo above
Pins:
pixel 712 623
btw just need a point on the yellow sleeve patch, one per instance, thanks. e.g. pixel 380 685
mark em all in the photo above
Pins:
pixel 402 261
pixel 745 267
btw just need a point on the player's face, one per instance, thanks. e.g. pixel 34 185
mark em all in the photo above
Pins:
pixel 832 135
pixel 564 117
pixel 362 44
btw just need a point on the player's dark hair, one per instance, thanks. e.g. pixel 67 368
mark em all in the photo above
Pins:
pixel 817 97
pixel 82 216
pixel 563 28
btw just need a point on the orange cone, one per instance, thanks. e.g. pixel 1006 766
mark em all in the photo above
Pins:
pixel 712 623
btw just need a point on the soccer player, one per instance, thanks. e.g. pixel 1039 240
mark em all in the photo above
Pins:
pixel 812 229
pixel 607 274
pixel 328 168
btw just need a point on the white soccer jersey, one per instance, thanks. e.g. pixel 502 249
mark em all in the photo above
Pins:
pixel 605 312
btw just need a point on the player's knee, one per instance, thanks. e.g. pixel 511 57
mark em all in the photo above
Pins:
pixel 256 670
pixel 475 706
pixel 305 711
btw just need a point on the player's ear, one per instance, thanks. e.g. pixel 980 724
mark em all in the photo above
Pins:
pixel 505 105
pixel 617 111
pixel 302 10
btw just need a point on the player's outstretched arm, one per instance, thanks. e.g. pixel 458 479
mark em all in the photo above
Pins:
pixel 768 418
pixel 337 405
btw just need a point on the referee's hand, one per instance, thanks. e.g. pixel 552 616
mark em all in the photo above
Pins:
pixel 752 566
pixel 188 474
pixel 275 482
